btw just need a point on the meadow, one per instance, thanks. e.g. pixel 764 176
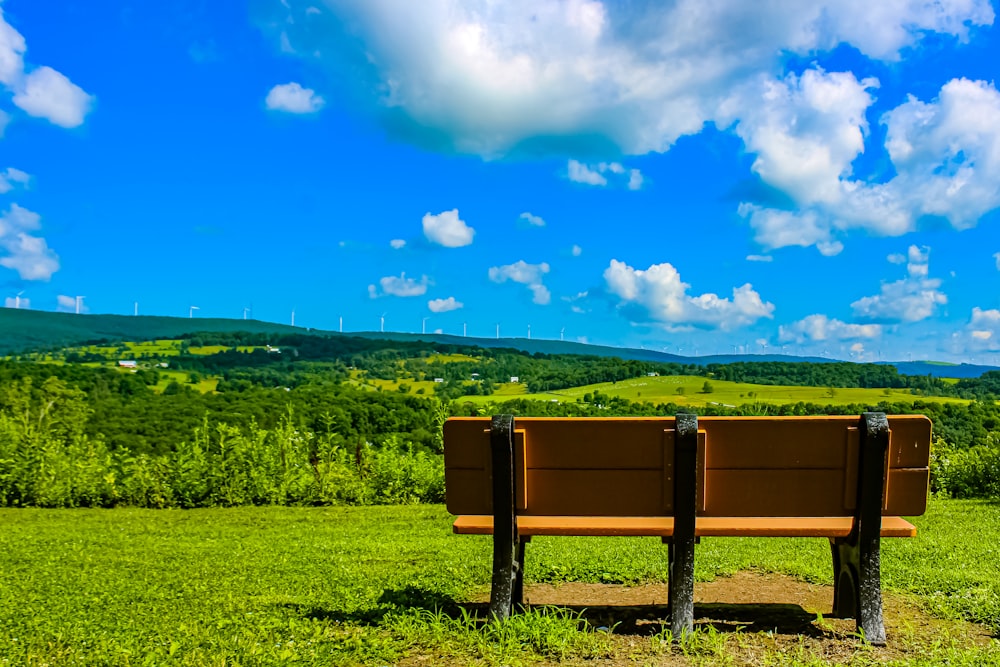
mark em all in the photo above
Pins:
pixel 391 585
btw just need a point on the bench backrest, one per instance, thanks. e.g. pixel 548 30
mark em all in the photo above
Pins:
pixel 747 466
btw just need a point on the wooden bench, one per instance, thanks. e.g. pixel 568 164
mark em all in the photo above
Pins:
pixel 848 479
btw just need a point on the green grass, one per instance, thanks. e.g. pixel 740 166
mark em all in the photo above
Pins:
pixel 664 389
pixel 333 586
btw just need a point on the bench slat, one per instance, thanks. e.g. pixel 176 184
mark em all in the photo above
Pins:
pixel 892 526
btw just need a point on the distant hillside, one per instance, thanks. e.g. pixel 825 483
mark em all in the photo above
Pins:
pixel 23 330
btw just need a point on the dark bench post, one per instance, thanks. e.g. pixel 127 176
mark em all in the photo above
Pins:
pixel 508 553
pixel 857 558
pixel 680 594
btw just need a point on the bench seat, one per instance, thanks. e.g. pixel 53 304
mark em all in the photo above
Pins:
pixel 638 526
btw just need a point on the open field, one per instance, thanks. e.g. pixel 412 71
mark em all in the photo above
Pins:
pixel 687 390
pixel 385 585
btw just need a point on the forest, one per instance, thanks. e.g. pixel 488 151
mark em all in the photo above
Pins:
pixel 288 428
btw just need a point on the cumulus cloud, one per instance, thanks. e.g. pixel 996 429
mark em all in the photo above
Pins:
pixel 11 177
pixel 525 274
pixel 576 250
pixel 40 91
pixel 22 251
pixel 67 304
pixel 981 334
pixel 444 305
pixel 447 229
pixel 658 293
pixel 399 286
pixel 46 93
pixel 293 98
pixel 532 219
pixel 821 328
pixel 492 78
pixel 760 258
pixel 597 174
pixel 910 299
pixel 945 154
pixel 397 244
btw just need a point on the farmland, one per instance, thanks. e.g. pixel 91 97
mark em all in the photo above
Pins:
pixel 345 586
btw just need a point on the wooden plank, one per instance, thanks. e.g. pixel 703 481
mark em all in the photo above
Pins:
pixel 772 493
pixel 467 443
pixel 909 491
pixel 520 478
pixel 603 444
pixel 909 441
pixel 669 441
pixel 595 492
pixel 468 492
pixel 851 461
pixel 892 526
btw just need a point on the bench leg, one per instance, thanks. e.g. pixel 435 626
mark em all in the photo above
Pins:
pixel 518 594
pixel 857 559
pixel 680 594
pixel 507 550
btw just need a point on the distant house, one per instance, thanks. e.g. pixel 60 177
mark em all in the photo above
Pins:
pixel 127 363
pixel 652 374
pixel 475 376
pixel 514 378
pixel 163 364
pixel 439 379
pixel 276 350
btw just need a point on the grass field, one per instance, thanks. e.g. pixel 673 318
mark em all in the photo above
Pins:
pixel 687 390
pixel 380 586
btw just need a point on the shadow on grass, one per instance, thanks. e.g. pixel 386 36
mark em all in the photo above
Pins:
pixel 646 620
pixel 639 620
pixel 410 597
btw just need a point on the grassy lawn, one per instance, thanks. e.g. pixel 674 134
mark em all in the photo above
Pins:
pixel 687 390
pixel 381 585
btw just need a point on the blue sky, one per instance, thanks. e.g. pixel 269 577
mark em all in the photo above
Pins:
pixel 702 178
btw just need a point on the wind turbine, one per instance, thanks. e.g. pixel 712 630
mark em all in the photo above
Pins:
pixel 245 311
pixel 498 331
pixel 423 325
pixel 135 309
pixel 79 303
pixel 293 317
pixel 464 329
pixel 529 332
pixel 17 300
pixel 381 323
pixel 341 324
pixel 562 333
pixel 191 311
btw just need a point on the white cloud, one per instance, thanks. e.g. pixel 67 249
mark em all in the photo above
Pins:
pixel 40 91
pixel 447 229
pixel 399 286
pixel 444 305
pixel 10 177
pixel 20 250
pixel 519 272
pixel 659 293
pixel 597 174
pixel 293 98
pixel 397 244
pixel 46 93
pixel 581 173
pixel 576 250
pixel 982 333
pixel 67 304
pixel 945 154
pixel 911 299
pixel 896 258
pixel 760 258
pixel 525 274
pixel 489 78
pixel 821 328
pixel 531 219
